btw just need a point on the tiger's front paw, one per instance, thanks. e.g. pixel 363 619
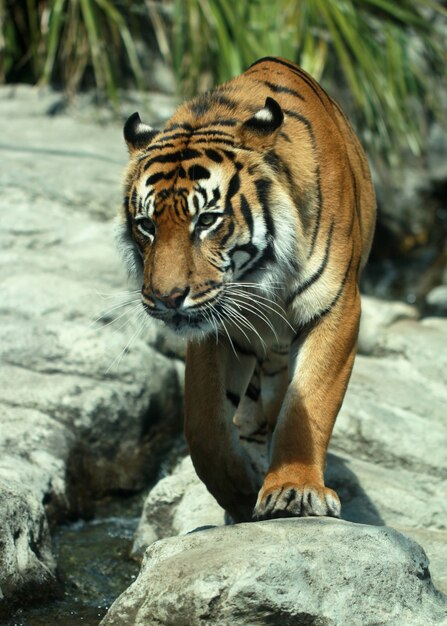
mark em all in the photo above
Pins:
pixel 291 500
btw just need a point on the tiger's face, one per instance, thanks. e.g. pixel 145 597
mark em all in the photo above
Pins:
pixel 196 225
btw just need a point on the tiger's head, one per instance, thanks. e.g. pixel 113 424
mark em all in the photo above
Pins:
pixel 197 221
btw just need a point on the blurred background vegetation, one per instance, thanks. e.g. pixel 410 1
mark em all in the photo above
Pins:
pixel 383 59
pixel 385 52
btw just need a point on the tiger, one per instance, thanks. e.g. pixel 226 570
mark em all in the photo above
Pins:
pixel 247 221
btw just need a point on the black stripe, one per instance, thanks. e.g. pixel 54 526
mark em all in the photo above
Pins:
pixel 228 234
pixel 221 133
pixel 213 155
pixel 233 398
pixel 128 220
pixel 330 306
pixel 209 301
pixel 318 218
pixel 285 136
pixel 173 157
pixel 281 89
pixel 203 193
pixel 246 212
pixel 197 172
pixel 151 180
pixel 133 200
pixel 234 186
pixel 214 286
pixel 174 136
pixel 299 72
pixel 229 122
pixel 313 279
pixel 280 167
pixel 357 211
pixel 185 126
pixel 262 192
pixel 156 146
pixel 200 106
pixel 226 142
pixel 219 98
pixel 216 195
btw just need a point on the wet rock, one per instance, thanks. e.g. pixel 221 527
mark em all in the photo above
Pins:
pixel 302 571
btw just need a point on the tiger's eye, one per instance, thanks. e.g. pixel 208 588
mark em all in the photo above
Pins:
pixel 206 220
pixel 146 226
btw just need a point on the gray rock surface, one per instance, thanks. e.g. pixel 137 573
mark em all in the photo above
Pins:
pixel 377 317
pixel 77 421
pixel 177 505
pixel 288 572
pixel 437 298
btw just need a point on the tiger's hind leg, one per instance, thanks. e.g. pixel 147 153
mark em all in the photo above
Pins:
pixel 294 484
pixel 216 380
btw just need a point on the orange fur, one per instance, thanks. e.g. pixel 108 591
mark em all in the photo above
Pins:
pixel 250 216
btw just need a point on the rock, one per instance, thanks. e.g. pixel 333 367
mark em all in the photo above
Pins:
pixel 176 505
pixel 291 572
pixel 377 316
pixel 26 559
pixel 86 409
pixel 437 299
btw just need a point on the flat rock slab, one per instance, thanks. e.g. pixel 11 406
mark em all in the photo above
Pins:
pixel 292 572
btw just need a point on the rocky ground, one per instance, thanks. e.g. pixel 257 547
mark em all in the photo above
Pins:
pixel 79 420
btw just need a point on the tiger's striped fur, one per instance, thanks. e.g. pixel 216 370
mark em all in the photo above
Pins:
pixel 247 221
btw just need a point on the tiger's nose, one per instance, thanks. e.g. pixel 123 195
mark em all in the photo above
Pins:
pixel 172 300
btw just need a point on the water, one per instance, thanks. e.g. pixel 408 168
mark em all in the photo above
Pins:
pixel 93 558
pixel 93 565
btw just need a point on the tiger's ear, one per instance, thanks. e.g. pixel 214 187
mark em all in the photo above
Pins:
pixel 260 130
pixel 137 135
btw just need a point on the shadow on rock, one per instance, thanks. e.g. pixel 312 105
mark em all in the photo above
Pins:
pixel 356 505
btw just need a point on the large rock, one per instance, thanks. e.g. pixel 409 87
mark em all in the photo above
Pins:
pixel 387 459
pixel 289 572
pixel 86 408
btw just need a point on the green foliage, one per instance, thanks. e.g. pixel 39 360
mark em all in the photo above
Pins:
pixel 63 39
pixel 377 49
pixel 382 51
